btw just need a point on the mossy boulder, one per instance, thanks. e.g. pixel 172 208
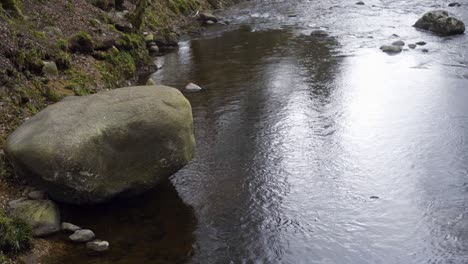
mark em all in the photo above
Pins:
pixel 42 215
pixel 89 149
pixel 82 42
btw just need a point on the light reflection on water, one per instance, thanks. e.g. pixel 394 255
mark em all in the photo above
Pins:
pixel 294 138
pixel 296 133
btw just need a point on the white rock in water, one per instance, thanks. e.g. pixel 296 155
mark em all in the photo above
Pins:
pixel 70 227
pixel 192 87
pixel 83 235
pixel 98 246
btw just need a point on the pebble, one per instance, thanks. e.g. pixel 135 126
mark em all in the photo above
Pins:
pixel 412 46
pixel 82 235
pixel 98 246
pixel 425 50
pixel 374 197
pixel 192 87
pixel 70 227
pixel 360 3
pixel 421 43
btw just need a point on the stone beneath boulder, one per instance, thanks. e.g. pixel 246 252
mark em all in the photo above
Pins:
pixel 37 195
pixel 42 215
pixel 82 236
pixel 89 149
pixel 439 21
pixel 98 246
pixel 70 227
pixel 154 49
pixel 391 48
pixel 191 87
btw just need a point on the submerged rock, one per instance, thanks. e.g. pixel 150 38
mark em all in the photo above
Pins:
pixel 89 149
pixel 421 43
pixel 82 235
pixel 439 21
pixel 42 215
pixel 391 48
pixel 360 3
pixel 412 46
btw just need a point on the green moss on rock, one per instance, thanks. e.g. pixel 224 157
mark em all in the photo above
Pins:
pixel 82 42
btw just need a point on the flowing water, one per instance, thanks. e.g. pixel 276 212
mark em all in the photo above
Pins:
pixel 313 149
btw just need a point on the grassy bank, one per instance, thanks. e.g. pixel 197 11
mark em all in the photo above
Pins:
pixel 55 48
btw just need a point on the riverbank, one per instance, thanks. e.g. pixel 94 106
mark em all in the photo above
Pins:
pixel 52 49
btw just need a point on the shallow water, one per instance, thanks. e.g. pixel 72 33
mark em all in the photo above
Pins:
pixel 296 133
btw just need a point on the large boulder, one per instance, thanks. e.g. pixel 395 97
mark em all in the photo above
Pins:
pixel 42 215
pixel 439 21
pixel 86 150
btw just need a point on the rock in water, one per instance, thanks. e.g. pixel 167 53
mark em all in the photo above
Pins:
pixel 391 48
pixel 70 227
pixel 192 87
pixel 42 215
pixel 98 246
pixel 399 43
pixel 439 21
pixel 89 149
pixel 82 235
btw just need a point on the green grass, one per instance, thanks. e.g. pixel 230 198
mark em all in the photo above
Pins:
pixel 15 234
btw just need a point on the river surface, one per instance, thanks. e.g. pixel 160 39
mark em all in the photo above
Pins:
pixel 311 149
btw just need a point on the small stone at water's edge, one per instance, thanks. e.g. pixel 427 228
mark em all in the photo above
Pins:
pixel 391 48
pixel 83 235
pixel 70 227
pixel 98 246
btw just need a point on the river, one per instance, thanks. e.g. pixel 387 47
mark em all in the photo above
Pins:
pixel 311 149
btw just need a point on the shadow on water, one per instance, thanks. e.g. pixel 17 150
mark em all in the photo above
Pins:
pixel 156 227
